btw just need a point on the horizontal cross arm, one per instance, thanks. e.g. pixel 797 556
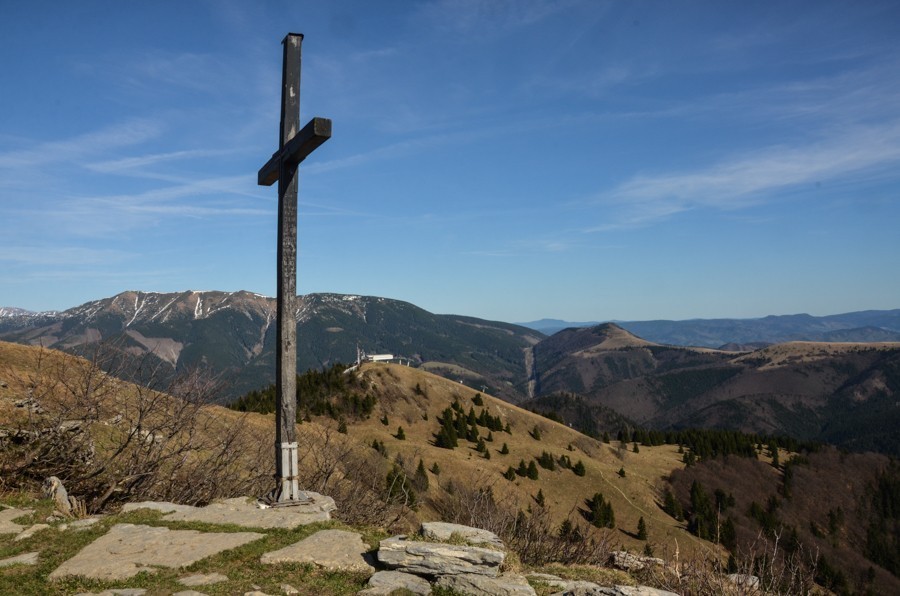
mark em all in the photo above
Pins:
pixel 316 132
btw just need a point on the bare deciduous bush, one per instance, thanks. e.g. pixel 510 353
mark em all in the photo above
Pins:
pixel 533 535
pixel 111 441
pixel 778 572
pixel 353 475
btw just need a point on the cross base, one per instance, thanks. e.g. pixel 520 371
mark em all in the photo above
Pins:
pixel 287 489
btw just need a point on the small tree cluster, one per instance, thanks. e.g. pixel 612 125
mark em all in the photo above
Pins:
pixel 600 512
pixel 579 469
pixel 546 461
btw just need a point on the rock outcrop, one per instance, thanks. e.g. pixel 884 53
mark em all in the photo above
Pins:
pixel 436 558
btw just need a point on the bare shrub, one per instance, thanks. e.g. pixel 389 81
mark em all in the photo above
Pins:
pixel 353 475
pixel 777 572
pixel 532 535
pixel 110 441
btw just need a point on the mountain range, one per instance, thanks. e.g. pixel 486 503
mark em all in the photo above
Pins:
pixel 596 378
pixel 233 335
pixel 842 393
pixel 736 334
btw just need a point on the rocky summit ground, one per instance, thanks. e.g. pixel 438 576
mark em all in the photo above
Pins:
pixel 235 546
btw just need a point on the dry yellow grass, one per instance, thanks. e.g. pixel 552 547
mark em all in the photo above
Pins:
pixel 634 496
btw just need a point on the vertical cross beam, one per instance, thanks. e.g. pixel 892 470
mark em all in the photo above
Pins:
pixel 294 146
pixel 286 334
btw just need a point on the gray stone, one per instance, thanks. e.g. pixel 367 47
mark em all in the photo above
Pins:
pixel 442 531
pixel 202 579
pixel 625 560
pixel 386 582
pixel 54 489
pixel 582 588
pixel 743 580
pixel 7 526
pixel 128 549
pixel 78 524
pixel 433 558
pixel 240 511
pixel 289 590
pixel 554 581
pixel 157 506
pixel 23 559
pixel 329 549
pixel 29 532
pixel 117 592
pixel 508 584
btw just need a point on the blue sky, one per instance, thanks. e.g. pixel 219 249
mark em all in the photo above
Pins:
pixel 510 160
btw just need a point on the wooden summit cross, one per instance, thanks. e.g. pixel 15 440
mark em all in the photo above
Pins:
pixel 294 147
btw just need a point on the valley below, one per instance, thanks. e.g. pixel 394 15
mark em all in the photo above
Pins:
pixel 775 461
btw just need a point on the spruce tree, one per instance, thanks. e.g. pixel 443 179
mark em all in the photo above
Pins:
pixel 539 498
pixel 532 470
pixel 401 436
pixel 641 529
pixel 504 450
pixel 421 478
pixel 579 468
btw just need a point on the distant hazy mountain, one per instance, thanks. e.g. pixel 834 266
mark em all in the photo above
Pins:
pixel 551 326
pixel 865 326
pixel 836 392
pixel 233 334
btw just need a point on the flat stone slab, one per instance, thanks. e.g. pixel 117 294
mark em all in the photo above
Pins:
pixel 7 526
pixel 384 583
pixel 582 588
pixel 554 581
pixel 23 559
pixel 508 584
pixel 116 592
pixel 329 549
pixel 442 531
pixel 435 558
pixel 29 532
pixel 242 512
pixel 78 524
pixel 202 579
pixel 128 549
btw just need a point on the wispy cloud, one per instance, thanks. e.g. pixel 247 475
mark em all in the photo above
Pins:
pixel 139 162
pixel 755 178
pixel 32 255
pixel 485 16
pixel 83 146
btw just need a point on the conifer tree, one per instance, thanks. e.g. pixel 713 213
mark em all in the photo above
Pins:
pixel 522 470
pixel 539 498
pixel 435 469
pixel 421 478
pixel 532 472
pixel 401 436
pixel 641 529
pixel 622 472
pixel 504 450
pixel 578 468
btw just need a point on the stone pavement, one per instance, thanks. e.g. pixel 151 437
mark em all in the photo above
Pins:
pixel 128 549
pixel 459 558
pixel 246 512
